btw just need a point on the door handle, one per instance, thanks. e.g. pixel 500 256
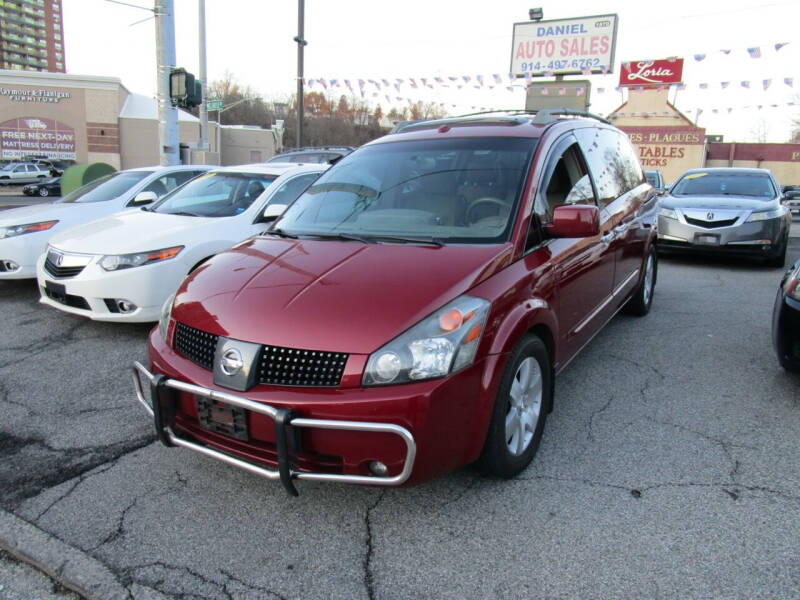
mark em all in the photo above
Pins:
pixel 606 239
pixel 621 228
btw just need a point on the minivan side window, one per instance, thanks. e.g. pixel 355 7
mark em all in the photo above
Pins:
pixel 568 183
pixel 602 150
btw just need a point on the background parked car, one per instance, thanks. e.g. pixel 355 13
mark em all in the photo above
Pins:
pixel 655 179
pixel 24 231
pixel 23 172
pixel 45 187
pixel 325 154
pixel 728 211
pixel 123 267
pixel 791 198
pixel 786 320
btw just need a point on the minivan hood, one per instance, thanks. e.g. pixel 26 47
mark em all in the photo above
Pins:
pixel 126 232
pixel 718 202
pixel 329 295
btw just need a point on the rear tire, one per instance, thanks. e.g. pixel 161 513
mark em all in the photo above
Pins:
pixel 43 191
pixel 641 301
pixel 520 410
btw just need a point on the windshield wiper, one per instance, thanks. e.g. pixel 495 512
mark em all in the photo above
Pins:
pixel 280 233
pixel 348 237
pixel 184 213
pixel 409 240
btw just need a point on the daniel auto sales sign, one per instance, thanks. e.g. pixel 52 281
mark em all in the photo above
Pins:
pixel 582 45
pixel 649 73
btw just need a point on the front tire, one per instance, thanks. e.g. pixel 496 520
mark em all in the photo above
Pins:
pixel 43 191
pixel 779 260
pixel 641 301
pixel 520 410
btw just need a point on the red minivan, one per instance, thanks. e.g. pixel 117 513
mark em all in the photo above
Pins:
pixel 408 313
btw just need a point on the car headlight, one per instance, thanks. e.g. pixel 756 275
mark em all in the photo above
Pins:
pixel 668 213
pixel 166 315
pixel 440 344
pixel 13 230
pixel 792 284
pixel 115 262
pixel 767 214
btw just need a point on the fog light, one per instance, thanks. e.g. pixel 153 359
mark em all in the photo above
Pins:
pixel 126 306
pixel 378 468
pixel 8 265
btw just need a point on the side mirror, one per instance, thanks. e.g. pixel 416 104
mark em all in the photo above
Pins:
pixel 574 221
pixel 272 212
pixel 143 198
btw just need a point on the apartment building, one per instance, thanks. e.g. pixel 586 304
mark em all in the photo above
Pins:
pixel 32 35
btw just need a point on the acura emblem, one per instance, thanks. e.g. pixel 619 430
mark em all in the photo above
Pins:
pixel 231 362
pixel 710 216
pixel 58 258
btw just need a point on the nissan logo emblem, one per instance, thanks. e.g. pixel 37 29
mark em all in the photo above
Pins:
pixel 710 216
pixel 231 362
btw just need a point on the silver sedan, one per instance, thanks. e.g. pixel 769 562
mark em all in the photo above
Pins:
pixel 725 211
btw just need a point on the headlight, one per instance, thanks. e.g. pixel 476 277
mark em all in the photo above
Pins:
pixel 769 214
pixel 792 284
pixel 6 232
pixel 166 315
pixel 668 213
pixel 115 262
pixel 443 343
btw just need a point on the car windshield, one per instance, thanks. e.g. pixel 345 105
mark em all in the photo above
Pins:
pixel 8 167
pixel 106 188
pixel 449 190
pixel 709 183
pixel 215 195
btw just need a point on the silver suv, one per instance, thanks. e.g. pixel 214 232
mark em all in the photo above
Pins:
pixel 23 172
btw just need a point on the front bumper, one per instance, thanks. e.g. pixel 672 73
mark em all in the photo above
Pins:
pixel 22 250
pixel 162 410
pixel 147 287
pixel 446 421
pixel 759 238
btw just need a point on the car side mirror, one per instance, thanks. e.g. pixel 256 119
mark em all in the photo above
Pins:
pixel 143 198
pixel 574 221
pixel 272 212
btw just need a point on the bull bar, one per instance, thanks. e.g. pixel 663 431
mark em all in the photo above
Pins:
pixel 162 411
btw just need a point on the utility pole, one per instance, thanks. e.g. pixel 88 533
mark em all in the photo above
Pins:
pixel 301 42
pixel 203 142
pixel 165 55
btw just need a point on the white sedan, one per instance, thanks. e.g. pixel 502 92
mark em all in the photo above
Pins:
pixel 123 267
pixel 24 232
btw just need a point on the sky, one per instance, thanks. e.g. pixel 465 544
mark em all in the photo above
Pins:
pixel 376 39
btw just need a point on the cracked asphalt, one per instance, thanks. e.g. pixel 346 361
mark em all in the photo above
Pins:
pixel 669 468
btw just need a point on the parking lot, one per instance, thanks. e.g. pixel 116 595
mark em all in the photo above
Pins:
pixel 669 468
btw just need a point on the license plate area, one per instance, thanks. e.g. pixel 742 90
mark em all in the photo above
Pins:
pixel 56 291
pixel 222 418
pixel 706 240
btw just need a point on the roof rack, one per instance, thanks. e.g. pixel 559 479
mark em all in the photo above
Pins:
pixel 544 116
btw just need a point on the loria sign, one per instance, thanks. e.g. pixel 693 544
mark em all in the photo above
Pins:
pixel 33 95
pixel 649 73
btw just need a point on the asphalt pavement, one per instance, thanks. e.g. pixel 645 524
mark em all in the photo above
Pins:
pixel 669 468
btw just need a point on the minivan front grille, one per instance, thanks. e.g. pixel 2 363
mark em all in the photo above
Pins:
pixel 290 366
pixel 276 365
pixel 198 346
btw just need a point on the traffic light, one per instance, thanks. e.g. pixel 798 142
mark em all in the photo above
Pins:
pixel 184 90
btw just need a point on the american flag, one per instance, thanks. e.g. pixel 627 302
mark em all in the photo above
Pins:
pixel 544 91
pixel 766 83
pixel 746 84
pixel 724 84
pixel 779 46
pixel 699 57
pixel 562 91
pixel 789 81
pixel 754 52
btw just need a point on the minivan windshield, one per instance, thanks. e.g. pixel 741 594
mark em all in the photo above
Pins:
pixel 710 183
pixel 462 190
pixel 219 194
pixel 106 188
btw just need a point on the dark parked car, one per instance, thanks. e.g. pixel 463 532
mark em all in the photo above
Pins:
pixel 729 211
pixel 409 312
pixel 326 154
pixel 786 320
pixel 46 187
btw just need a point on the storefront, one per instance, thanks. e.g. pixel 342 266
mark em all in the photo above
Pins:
pixel 96 119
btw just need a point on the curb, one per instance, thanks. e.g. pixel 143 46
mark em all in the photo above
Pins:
pixel 65 564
